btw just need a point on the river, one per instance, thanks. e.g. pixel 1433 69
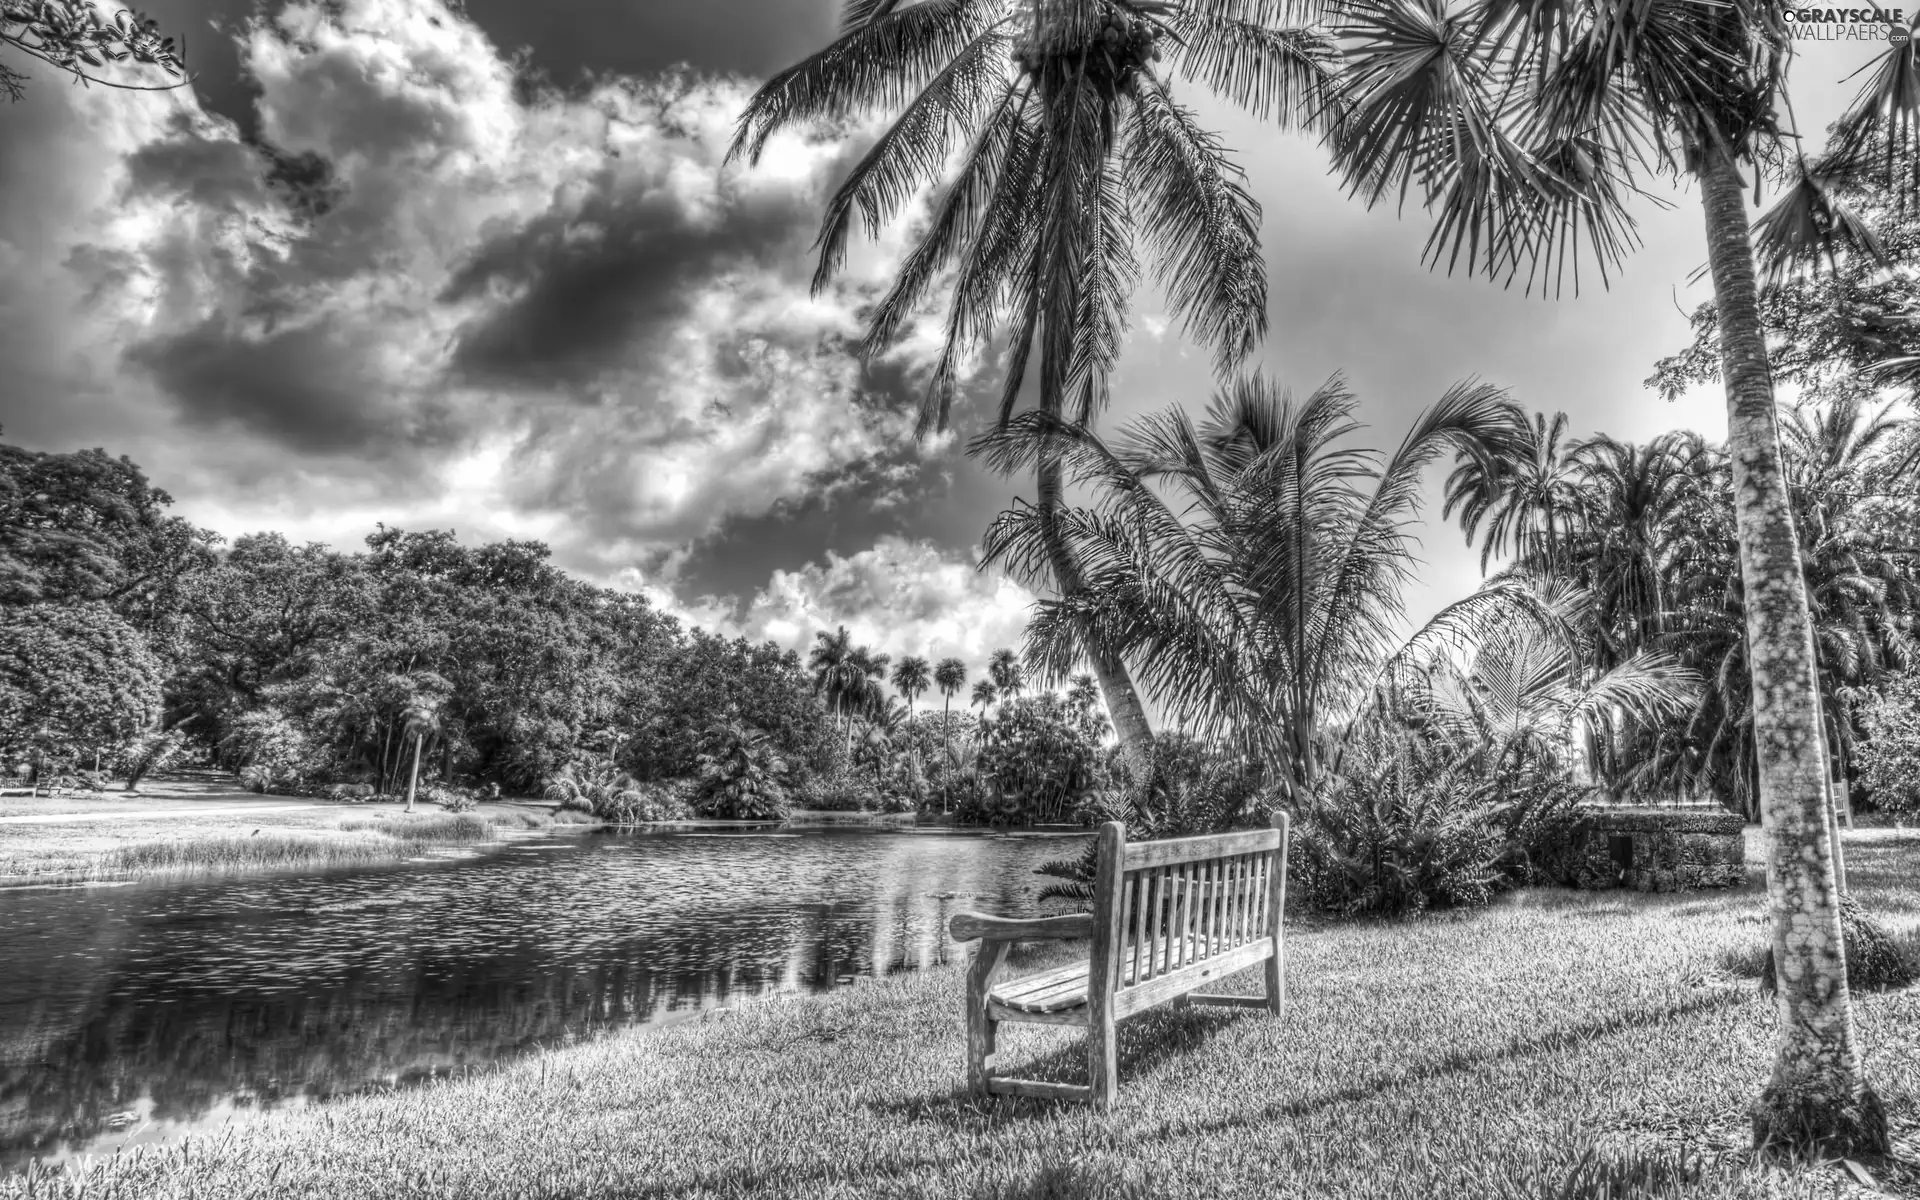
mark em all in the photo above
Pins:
pixel 135 1013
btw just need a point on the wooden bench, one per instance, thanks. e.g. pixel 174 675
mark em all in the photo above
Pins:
pixel 1168 918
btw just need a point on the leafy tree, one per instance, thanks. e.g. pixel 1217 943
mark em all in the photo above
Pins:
pixel 76 681
pixel 74 37
pixel 86 527
pixel 1041 763
pixel 1075 146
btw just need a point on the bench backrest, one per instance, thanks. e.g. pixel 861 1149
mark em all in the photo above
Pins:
pixel 1168 912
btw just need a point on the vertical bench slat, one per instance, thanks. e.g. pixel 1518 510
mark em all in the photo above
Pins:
pixel 1185 916
pixel 1235 874
pixel 1258 909
pixel 1226 904
pixel 1206 909
pixel 1249 872
pixel 1160 922
pixel 1140 882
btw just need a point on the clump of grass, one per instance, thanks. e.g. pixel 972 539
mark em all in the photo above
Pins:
pixel 424 827
pixel 518 818
pixel 373 840
pixel 234 853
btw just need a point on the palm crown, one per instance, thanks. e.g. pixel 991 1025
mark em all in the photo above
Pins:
pixel 1071 144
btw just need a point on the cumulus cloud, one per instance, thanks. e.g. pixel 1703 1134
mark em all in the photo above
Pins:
pixel 902 596
pixel 436 297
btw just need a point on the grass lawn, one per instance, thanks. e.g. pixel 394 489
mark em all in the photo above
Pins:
pixel 1515 1052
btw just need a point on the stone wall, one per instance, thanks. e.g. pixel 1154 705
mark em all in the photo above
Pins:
pixel 1656 850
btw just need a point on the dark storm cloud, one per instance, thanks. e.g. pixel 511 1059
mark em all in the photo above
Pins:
pixel 747 37
pixel 297 386
pixel 591 284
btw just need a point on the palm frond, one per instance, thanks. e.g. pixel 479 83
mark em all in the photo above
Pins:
pixel 1202 223
pixel 913 151
pixel 881 63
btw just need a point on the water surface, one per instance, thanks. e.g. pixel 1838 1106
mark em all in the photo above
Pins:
pixel 134 1013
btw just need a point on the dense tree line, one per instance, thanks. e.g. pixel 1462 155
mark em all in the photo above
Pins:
pixel 121 625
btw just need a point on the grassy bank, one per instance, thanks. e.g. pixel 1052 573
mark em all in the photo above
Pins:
pixel 1556 1037
pixel 295 839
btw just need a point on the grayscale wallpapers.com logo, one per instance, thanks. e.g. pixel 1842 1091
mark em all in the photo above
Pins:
pixel 1849 25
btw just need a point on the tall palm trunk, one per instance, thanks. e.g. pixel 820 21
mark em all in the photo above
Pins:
pixel 413 778
pixel 1054 31
pixel 1130 722
pixel 1818 1094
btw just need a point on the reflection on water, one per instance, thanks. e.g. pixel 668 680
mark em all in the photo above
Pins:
pixel 131 1013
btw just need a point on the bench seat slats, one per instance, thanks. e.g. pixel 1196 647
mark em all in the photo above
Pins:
pixel 1064 988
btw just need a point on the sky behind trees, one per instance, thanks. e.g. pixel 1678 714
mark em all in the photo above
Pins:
pixel 442 300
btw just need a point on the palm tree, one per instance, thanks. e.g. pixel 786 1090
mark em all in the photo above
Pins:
pixel 836 674
pixel 1009 677
pixel 910 679
pixel 1524 690
pixel 1263 598
pixel 1083 692
pixel 420 720
pixel 1637 499
pixel 1526 498
pixel 985 695
pixel 1523 126
pixel 1075 147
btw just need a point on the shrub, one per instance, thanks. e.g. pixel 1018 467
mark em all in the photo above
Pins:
pixel 450 797
pixel 593 785
pixel 839 788
pixel 1888 758
pixel 740 776
pixel 1399 831
pixel 1040 761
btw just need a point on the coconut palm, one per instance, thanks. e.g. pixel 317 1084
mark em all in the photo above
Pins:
pixel 1522 125
pixel 910 677
pixel 1072 148
pixel 1527 498
pixel 1007 673
pixel 1263 597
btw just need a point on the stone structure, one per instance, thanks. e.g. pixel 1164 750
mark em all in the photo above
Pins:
pixel 1657 849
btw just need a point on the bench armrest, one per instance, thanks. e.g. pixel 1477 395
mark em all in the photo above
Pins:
pixel 968 926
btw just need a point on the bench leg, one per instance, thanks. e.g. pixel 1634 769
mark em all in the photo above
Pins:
pixel 1103 1061
pixel 982 1029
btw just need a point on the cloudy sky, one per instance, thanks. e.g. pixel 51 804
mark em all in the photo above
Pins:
pixel 365 271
